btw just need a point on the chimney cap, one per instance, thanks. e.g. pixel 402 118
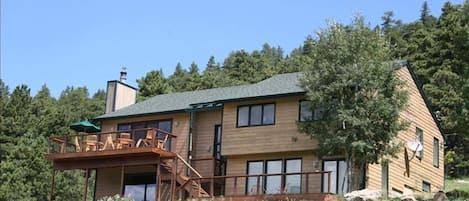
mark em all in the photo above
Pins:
pixel 123 77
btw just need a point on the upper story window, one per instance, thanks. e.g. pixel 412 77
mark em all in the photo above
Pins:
pixel 306 113
pixel 256 115
pixel 419 138
pixel 436 152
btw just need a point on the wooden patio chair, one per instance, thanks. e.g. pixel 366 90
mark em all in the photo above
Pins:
pixel 148 140
pixel 108 144
pixel 162 142
pixel 124 141
pixel 77 144
pixel 91 143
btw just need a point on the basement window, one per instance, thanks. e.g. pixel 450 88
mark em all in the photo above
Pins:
pixel 426 187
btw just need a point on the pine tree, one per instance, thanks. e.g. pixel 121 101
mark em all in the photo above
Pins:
pixel 179 79
pixel 154 83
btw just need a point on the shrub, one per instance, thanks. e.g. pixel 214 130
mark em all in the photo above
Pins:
pixel 115 198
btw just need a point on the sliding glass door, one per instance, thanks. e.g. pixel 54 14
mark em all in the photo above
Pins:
pixel 338 181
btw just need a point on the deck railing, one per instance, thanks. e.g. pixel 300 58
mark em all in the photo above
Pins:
pixel 235 185
pixel 136 138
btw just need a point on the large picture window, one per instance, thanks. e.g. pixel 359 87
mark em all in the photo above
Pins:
pixel 274 184
pixel 256 115
pixel 164 125
pixel 140 186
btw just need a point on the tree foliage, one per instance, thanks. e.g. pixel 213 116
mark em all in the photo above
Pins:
pixel 353 84
pixel 25 123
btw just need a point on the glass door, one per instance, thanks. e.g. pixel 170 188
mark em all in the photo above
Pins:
pixel 273 184
pixel 330 166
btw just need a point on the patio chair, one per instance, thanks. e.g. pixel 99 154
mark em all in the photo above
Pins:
pixel 148 140
pixel 124 141
pixel 77 144
pixel 162 142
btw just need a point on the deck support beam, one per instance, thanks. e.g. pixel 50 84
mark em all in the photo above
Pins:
pixel 174 178
pixel 86 184
pixel 158 180
pixel 52 185
pixel 122 180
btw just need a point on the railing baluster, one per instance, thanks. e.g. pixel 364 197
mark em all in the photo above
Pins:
pixel 307 183
pixel 63 147
pixel 48 145
pixel 258 184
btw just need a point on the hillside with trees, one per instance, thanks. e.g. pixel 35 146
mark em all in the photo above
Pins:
pixel 436 46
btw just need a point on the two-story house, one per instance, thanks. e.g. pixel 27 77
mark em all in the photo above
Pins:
pixel 240 142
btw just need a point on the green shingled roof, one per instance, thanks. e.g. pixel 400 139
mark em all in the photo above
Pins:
pixel 283 84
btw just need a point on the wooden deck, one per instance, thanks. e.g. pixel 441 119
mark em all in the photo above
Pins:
pixel 112 149
pixel 108 158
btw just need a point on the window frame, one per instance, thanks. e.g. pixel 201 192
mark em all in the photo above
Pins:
pixel 249 124
pixel 436 153
pixel 246 190
pixel 157 122
pixel 313 116
pixel 419 131
pixel 425 184
pixel 141 178
pixel 263 182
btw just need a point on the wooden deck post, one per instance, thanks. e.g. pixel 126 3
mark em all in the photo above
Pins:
pixel 212 185
pixel 86 184
pixel 158 180
pixel 51 193
pixel 122 180
pixel 173 179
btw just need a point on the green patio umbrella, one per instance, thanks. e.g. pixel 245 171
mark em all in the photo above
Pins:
pixel 85 126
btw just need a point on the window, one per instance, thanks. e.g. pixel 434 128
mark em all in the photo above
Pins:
pixel 164 125
pixel 217 142
pixel 419 138
pixel 276 183
pixel 426 187
pixel 256 115
pixel 254 168
pixel 339 178
pixel 436 152
pixel 306 113
pixel 140 186
pixel 293 182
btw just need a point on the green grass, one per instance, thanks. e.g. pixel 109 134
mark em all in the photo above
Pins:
pixel 457 183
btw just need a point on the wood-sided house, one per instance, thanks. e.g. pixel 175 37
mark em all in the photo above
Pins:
pixel 240 142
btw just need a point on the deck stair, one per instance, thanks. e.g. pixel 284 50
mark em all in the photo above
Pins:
pixel 194 189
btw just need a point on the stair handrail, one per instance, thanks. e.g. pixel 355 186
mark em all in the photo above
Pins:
pixel 188 165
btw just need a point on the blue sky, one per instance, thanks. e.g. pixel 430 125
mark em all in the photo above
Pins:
pixel 86 42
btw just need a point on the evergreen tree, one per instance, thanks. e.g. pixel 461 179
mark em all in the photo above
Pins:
pixel 179 79
pixel 152 84
pixel 214 76
pixel 44 109
pixel 194 80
